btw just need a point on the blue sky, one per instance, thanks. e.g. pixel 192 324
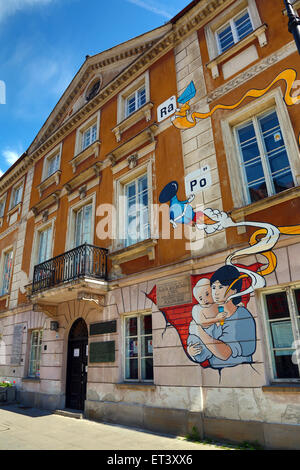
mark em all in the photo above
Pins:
pixel 43 43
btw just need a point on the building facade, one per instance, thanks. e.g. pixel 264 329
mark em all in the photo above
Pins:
pixel 150 235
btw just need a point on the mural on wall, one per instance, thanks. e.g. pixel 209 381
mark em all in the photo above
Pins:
pixel 216 328
pixel 183 120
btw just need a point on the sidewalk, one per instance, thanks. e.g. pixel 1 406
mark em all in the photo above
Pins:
pixel 32 429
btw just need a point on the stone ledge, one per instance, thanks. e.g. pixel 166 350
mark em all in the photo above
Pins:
pixel 136 386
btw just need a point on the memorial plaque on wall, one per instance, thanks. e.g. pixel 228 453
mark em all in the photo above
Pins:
pixel 175 291
pixel 17 345
pixel 103 351
pixel 102 328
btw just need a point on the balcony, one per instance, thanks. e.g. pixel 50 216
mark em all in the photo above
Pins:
pixel 83 267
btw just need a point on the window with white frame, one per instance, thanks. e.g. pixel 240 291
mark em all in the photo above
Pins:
pixel 52 165
pixel 234 30
pixel 35 353
pixel 89 137
pixel 83 225
pixel 283 327
pixel 135 101
pixel 44 244
pixel 138 348
pixel 263 155
pixel 133 97
pixel 137 226
pixel 7 260
pixel 16 195
pixel 2 205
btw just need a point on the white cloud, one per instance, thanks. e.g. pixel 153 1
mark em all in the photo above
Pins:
pixel 11 155
pixel 154 7
pixel 9 7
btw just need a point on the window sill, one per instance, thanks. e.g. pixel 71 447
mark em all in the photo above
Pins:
pixel 16 208
pixel 54 178
pixel 259 33
pixel 142 113
pixel 239 214
pixel 31 379
pixel 92 149
pixel 142 386
pixel 282 388
pixel 132 252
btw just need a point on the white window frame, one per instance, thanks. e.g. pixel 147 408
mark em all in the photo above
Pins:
pixel 295 326
pixel 266 170
pixel 135 94
pixel 55 153
pixel 15 188
pixel 70 239
pixel 225 17
pixel 272 99
pixel 2 205
pixel 119 226
pixel 85 127
pixel 39 348
pixel 138 84
pixel 233 28
pixel 36 243
pixel 4 253
pixel 138 315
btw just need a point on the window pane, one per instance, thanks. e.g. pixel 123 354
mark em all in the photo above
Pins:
pixel 147 369
pixel 282 334
pixel 297 296
pixel 146 346
pixel 131 326
pixel 131 369
pixel 146 325
pixel 248 142
pixel 225 38
pixel 285 368
pixel 276 152
pixel 94 133
pixel 141 97
pixel 243 25
pixel 7 268
pixel 131 347
pixel 277 305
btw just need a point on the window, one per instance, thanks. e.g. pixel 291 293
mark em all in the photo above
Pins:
pixel 283 322
pixel 264 158
pixel 135 101
pixel 93 90
pixel 16 196
pixel 89 136
pixel 137 210
pixel 35 353
pixel 233 31
pixel 83 225
pixel 6 271
pixel 45 242
pixel 138 348
pixel 52 165
pixel 2 206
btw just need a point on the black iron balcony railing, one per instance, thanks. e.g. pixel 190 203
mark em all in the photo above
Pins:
pixel 84 261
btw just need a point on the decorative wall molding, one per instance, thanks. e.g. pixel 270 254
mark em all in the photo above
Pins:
pixel 251 72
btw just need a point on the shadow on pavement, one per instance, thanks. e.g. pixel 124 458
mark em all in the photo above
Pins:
pixel 25 410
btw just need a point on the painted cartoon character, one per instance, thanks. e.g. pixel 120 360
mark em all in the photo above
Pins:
pixel 205 313
pixel 234 341
pixel 181 212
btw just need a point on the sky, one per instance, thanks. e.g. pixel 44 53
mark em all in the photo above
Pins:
pixel 43 44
